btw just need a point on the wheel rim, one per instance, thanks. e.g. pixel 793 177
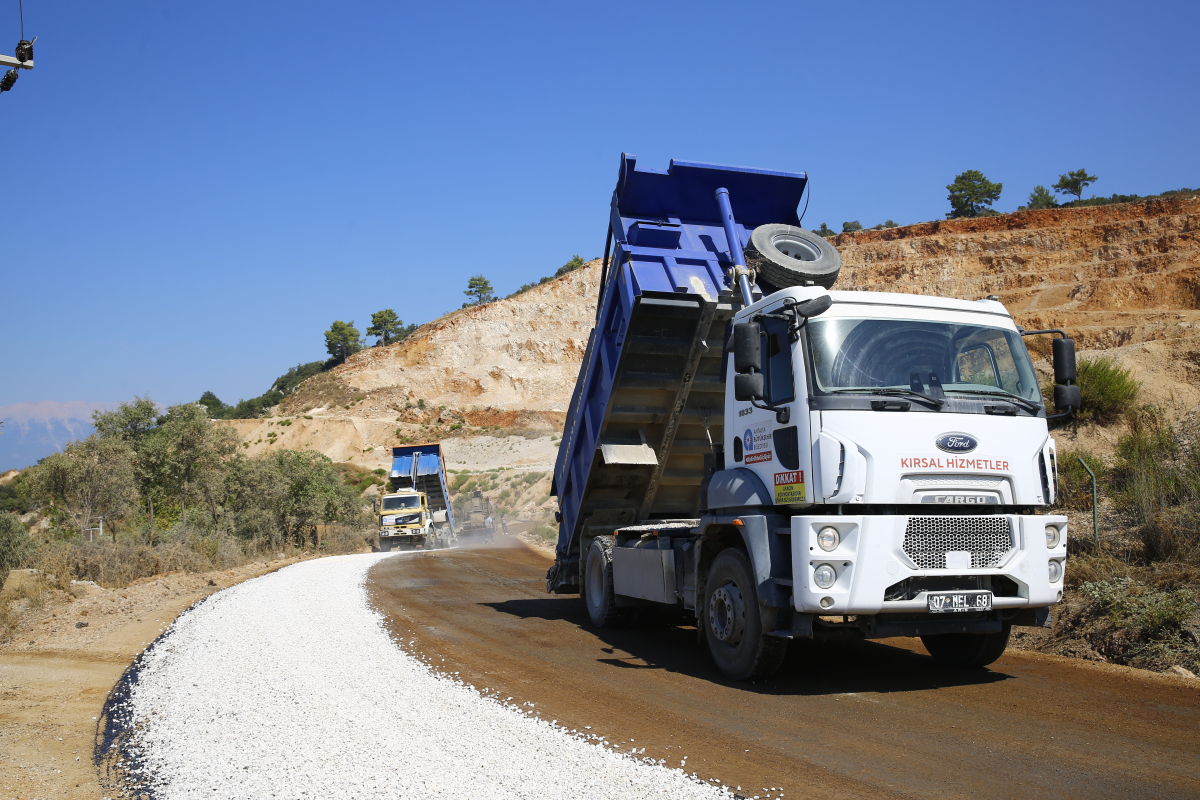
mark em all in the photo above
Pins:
pixel 595 582
pixel 727 613
pixel 795 247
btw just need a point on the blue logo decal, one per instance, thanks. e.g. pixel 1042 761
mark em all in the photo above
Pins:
pixel 749 437
pixel 956 442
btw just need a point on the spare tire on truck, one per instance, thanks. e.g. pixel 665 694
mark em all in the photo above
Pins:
pixel 785 255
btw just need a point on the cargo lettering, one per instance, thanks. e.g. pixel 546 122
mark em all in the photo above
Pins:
pixel 954 462
pixel 754 458
pixel 789 487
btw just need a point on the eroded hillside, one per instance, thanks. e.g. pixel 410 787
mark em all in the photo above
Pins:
pixel 1124 279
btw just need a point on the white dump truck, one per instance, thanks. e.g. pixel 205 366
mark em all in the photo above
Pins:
pixel 785 460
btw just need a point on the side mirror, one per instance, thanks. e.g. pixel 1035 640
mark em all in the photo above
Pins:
pixel 747 351
pixel 815 307
pixel 748 387
pixel 1064 361
pixel 1067 398
pixel 374 506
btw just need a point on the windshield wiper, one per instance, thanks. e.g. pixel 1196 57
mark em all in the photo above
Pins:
pixel 936 402
pixel 1029 406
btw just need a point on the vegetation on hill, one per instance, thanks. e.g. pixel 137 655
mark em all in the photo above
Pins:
pixel 972 195
pixel 173 489
pixel 573 264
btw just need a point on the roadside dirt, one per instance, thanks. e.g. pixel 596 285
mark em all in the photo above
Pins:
pixel 55 674
pixel 868 719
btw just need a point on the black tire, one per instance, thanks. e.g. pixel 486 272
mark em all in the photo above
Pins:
pixel 735 625
pixel 967 650
pixel 385 546
pixel 597 585
pixel 785 255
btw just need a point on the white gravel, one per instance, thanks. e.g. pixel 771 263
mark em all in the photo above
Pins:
pixel 289 686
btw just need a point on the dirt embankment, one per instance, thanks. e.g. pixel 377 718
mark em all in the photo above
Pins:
pixel 1121 279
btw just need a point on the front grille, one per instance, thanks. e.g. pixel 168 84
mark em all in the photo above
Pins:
pixel 927 540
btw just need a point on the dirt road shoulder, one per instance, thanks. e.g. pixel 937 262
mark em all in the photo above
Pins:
pixel 57 670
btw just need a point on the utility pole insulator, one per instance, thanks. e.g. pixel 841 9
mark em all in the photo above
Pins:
pixel 25 50
pixel 8 80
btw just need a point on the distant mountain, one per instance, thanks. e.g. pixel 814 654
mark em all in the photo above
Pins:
pixel 35 430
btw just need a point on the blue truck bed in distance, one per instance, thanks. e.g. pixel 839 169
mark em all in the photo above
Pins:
pixel 429 477
pixel 649 402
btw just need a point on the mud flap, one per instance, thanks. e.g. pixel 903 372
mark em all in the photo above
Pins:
pixel 1032 618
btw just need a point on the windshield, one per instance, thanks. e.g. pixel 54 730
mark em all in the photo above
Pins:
pixel 850 354
pixel 403 501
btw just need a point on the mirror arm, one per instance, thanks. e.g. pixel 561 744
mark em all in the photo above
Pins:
pixel 1062 334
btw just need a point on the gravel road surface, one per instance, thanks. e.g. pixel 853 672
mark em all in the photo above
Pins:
pixel 866 719
pixel 290 686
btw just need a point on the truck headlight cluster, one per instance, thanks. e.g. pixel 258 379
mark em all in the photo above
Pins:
pixel 829 538
pixel 1053 537
pixel 1056 571
pixel 825 575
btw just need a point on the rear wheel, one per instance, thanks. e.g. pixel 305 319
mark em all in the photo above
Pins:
pixel 736 626
pixel 967 650
pixel 597 585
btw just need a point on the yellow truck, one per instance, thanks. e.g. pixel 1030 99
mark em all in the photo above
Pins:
pixel 416 512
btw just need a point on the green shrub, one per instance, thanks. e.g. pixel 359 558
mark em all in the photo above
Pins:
pixel 1105 388
pixel 1144 609
pixel 16 547
pixel 1074 483
pixel 14 495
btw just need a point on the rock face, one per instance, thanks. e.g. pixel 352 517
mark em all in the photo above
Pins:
pixel 1124 279
pixel 1110 275
pixel 519 353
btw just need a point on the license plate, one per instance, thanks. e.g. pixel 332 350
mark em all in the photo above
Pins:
pixel 951 602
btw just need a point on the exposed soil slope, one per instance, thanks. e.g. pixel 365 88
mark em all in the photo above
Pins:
pixel 519 353
pixel 1124 279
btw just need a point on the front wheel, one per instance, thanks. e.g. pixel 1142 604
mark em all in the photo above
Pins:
pixel 967 650
pixel 385 546
pixel 736 627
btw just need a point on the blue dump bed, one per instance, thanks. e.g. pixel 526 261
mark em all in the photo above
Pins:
pixel 421 467
pixel 649 402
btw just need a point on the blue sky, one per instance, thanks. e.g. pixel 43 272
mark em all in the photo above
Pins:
pixel 192 193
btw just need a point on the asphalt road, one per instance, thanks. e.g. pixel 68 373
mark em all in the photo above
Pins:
pixel 867 719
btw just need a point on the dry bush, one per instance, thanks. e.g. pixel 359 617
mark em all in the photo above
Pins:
pixel 345 539
pixel 1156 479
pixel 14 602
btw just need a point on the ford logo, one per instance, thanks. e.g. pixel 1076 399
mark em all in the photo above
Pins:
pixel 956 442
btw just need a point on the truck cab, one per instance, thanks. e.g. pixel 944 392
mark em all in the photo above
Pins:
pixel 405 521
pixel 905 438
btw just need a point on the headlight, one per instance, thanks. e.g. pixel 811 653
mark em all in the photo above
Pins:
pixel 824 575
pixel 1056 571
pixel 1053 537
pixel 829 538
